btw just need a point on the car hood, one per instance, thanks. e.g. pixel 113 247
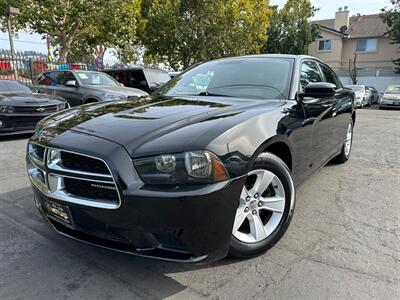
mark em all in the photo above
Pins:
pixel 133 123
pixel 120 90
pixel 29 99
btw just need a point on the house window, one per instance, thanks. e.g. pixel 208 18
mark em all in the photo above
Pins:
pixel 367 45
pixel 324 45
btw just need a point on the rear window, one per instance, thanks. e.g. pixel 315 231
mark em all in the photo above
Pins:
pixel 156 77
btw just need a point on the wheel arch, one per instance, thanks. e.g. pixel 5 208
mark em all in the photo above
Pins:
pixel 278 146
pixel 90 99
pixel 353 117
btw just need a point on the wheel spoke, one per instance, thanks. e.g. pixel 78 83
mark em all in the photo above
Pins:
pixel 262 182
pixel 274 204
pixel 257 230
pixel 239 219
pixel 244 194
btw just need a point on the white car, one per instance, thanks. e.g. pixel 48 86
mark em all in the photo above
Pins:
pixel 391 97
pixel 363 95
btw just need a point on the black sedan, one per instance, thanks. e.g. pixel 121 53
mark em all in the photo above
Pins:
pixel 21 109
pixel 206 167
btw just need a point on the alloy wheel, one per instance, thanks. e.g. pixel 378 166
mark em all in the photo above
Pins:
pixel 348 140
pixel 261 208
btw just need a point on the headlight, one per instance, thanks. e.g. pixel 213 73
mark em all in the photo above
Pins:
pixel 113 97
pixel 7 109
pixel 61 106
pixel 183 168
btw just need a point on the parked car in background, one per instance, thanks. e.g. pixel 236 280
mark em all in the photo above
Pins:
pixel 204 167
pixel 362 94
pixel 391 97
pixel 374 95
pixel 173 74
pixel 145 79
pixel 81 87
pixel 21 109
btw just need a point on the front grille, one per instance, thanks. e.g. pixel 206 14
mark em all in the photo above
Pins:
pixel 72 177
pixel 83 163
pixel 25 124
pixel 91 190
pixel 36 109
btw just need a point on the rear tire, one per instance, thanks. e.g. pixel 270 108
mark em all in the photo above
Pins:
pixel 347 146
pixel 266 207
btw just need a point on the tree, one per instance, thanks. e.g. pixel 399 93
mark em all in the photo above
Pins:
pixel 80 24
pixel 392 19
pixel 290 30
pixel 183 32
pixel 353 69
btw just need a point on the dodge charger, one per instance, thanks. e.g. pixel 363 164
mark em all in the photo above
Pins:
pixel 205 167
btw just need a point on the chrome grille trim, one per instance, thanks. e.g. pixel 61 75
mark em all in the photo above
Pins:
pixel 55 171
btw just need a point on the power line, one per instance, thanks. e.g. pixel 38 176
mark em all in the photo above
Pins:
pixel 28 42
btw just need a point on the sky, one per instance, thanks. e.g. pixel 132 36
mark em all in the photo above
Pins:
pixel 34 42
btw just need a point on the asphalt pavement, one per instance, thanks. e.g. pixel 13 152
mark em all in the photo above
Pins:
pixel 343 242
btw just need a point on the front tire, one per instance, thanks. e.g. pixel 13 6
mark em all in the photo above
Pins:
pixel 266 207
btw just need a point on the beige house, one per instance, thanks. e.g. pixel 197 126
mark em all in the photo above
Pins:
pixel 344 36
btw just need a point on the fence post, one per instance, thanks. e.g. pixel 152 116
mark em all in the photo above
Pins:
pixel 31 70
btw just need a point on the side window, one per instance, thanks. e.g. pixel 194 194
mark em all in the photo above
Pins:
pixel 330 76
pixel 67 77
pixel 309 73
pixel 138 79
pixel 49 78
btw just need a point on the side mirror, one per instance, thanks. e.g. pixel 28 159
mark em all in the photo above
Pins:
pixel 71 83
pixel 318 90
pixel 120 84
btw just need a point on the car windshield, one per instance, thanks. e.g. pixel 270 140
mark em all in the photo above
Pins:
pixel 95 78
pixel 393 89
pixel 9 86
pixel 256 78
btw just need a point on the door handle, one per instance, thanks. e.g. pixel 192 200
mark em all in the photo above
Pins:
pixel 309 121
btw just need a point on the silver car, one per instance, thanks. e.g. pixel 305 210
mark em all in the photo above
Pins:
pixel 363 95
pixel 81 87
pixel 391 97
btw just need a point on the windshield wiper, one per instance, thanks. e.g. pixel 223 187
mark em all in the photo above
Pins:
pixel 213 94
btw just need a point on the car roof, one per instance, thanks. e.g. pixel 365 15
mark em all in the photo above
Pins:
pixel 134 68
pixel 84 71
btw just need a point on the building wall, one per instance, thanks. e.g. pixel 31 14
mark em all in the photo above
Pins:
pixel 333 57
pixel 382 58
pixel 344 49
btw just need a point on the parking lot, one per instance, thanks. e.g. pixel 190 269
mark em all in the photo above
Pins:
pixel 343 242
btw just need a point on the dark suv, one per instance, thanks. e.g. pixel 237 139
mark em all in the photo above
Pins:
pixel 146 79
pixel 81 87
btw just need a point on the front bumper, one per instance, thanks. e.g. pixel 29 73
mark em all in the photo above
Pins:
pixel 185 224
pixel 19 123
pixel 389 103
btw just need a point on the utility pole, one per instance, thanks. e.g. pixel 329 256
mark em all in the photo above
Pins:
pixel 12 11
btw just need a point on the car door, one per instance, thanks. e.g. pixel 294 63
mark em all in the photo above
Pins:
pixel 71 93
pixel 318 113
pixel 341 111
pixel 48 82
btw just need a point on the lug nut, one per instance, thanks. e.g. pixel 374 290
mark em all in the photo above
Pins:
pixel 256 195
pixel 260 204
pixel 248 198
pixel 246 209
pixel 254 212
